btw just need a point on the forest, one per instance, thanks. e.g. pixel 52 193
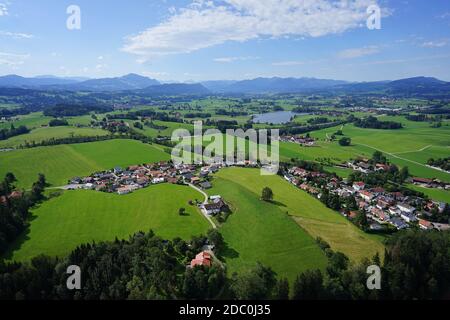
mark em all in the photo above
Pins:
pixel 416 265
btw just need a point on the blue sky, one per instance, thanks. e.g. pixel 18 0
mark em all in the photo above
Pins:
pixel 226 39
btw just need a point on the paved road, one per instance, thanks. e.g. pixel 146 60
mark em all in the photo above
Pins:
pixel 204 202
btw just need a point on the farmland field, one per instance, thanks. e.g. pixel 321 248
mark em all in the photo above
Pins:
pixel 262 232
pixel 40 134
pixel 77 217
pixel 266 232
pixel 435 194
pixel 31 121
pixel 62 162
pixel 411 146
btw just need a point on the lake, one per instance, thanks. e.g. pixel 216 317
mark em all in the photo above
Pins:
pixel 279 117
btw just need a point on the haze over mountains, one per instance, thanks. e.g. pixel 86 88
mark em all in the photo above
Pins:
pixel 144 85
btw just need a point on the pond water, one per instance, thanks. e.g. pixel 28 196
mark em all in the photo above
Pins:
pixel 279 117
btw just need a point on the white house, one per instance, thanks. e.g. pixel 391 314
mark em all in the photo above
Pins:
pixel 406 208
pixel 358 186
pixel 408 217
pixel 158 180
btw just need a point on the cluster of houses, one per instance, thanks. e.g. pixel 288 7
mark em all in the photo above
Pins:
pixel 365 166
pixel 380 206
pixel 301 140
pixel 430 183
pixel 124 181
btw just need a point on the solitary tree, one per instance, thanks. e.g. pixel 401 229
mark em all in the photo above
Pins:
pixel 182 211
pixel 346 141
pixel 267 194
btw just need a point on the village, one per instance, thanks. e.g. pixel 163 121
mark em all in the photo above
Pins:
pixel 381 207
pixel 124 181
pixel 304 141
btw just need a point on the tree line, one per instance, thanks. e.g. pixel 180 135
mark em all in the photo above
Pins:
pixel 416 265
pixel 443 163
pixel 14 208
pixel 13 131
pixel 372 122
pixel 73 110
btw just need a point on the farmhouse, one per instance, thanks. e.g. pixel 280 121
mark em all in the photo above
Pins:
pixel 422 181
pixel 202 259
pixel 213 208
pixel 205 185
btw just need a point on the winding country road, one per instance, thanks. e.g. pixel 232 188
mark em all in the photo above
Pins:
pixel 204 202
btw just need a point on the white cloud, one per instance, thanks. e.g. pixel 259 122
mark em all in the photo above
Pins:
pixel 16 35
pixel 233 59
pixel 3 10
pixel 12 59
pixel 358 52
pixel 208 23
pixel 435 44
pixel 100 58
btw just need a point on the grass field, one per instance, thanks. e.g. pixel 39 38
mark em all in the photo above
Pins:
pixel 411 146
pixel 77 217
pixel 31 121
pixel 41 134
pixel 258 231
pixel 170 127
pixel 435 194
pixel 307 211
pixel 62 162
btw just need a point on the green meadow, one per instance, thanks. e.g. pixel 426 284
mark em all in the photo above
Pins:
pixel 411 146
pixel 281 234
pixel 76 217
pixel 31 121
pixel 258 231
pixel 308 212
pixel 62 162
pixel 435 194
pixel 40 134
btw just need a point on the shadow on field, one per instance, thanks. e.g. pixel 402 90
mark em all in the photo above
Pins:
pixel 17 244
pixel 228 252
pixel 277 203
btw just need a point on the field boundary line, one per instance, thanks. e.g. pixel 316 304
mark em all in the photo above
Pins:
pixel 420 150
pixel 395 156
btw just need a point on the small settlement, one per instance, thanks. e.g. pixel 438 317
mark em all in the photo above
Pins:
pixel 381 207
pixel 124 181
pixel 301 140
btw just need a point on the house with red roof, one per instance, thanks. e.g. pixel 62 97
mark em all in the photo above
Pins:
pixel 425 225
pixel 359 185
pixel 202 259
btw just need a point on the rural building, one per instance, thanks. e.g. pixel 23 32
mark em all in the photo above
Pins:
pixel 202 259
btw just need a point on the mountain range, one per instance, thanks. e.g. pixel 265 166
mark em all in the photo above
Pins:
pixel 147 86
